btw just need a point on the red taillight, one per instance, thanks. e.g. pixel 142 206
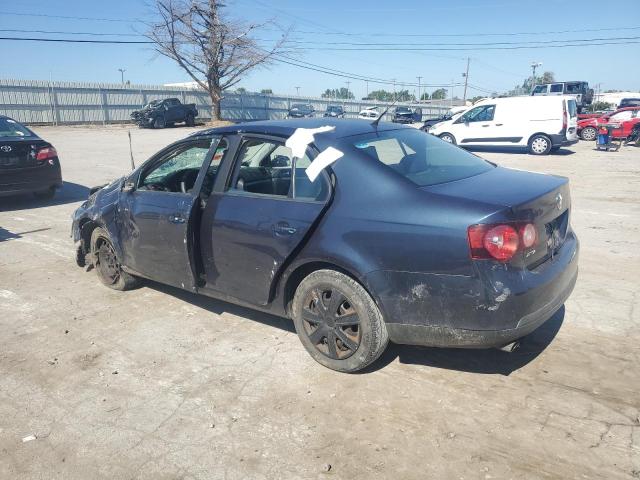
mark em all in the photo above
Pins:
pixel 500 242
pixel 46 153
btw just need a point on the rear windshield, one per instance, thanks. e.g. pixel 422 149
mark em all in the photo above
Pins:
pixel 11 128
pixel 420 157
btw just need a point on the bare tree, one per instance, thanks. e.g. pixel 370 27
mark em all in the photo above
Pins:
pixel 216 51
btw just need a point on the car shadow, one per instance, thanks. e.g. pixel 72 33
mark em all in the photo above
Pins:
pixel 220 306
pixel 69 193
pixel 484 361
pixel 517 150
pixel 8 235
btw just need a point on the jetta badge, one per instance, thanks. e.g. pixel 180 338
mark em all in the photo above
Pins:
pixel 5 148
pixel 559 201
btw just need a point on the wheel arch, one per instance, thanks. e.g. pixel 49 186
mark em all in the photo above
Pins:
pixel 538 133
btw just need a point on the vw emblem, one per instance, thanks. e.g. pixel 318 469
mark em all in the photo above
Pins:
pixel 5 148
pixel 559 201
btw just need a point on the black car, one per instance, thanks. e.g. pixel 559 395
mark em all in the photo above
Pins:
pixel 163 113
pixel 407 115
pixel 301 110
pixel 404 238
pixel 629 102
pixel 335 111
pixel 28 164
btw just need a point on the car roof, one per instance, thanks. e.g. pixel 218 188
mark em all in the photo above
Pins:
pixel 285 128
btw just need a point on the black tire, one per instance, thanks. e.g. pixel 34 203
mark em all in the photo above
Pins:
pixel 106 263
pixel 190 121
pixel 588 134
pixel 47 194
pixel 540 144
pixel 448 137
pixel 345 332
pixel 159 122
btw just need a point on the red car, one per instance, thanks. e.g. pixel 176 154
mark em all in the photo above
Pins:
pixel 588 128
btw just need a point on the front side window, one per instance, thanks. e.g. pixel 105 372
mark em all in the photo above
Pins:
pixel 221 147
pixel 264 167
pixel 177 170
pixel 483 113
pixel 419 157
pixel 540 89
pixel 622 116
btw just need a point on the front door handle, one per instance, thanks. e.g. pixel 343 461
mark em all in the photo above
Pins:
pixel 499 124
pixel 485 126
pixel 283 228
pixel 176 219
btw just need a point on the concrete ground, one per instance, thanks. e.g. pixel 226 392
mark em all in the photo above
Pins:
pixel 157 383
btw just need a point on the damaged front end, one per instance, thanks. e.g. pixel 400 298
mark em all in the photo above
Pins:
pixel 144 117
pixel 97 211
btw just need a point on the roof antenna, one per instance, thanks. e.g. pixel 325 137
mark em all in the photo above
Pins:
pixel 377 120
pixel 133 165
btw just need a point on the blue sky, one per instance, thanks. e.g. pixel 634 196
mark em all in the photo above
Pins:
pixel 453 21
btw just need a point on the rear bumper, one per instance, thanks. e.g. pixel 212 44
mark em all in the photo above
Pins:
pixel 27 180
pixel 563 140
pixel 491 309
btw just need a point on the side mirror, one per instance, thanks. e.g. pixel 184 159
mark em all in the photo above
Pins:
pixel 128 186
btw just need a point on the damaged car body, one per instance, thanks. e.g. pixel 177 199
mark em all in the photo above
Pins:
pixel 403 237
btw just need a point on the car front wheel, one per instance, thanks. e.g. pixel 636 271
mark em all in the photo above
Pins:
pixel 106 263
pixel 540 145
pixel 447 137
pixel 159 122
pixel 588 134
pixel 338 322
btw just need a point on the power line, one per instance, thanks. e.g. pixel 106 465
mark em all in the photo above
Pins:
pixel 72 33
pixel 65 17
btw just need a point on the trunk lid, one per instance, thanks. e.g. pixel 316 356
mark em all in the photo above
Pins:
pixel 19 152
pixel 522 197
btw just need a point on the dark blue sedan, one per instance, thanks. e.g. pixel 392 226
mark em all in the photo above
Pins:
pixel 361 234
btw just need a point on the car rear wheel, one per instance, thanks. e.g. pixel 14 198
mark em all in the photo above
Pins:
pixel 159 122
pixel 447 137
pixel 338 322
pixel 588 134
pixel 540 145
pixel 106 263
pixel 47 194
pixel 190 121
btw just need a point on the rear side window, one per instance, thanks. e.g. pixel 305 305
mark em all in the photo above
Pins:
pixel 420 157
pixel 573 109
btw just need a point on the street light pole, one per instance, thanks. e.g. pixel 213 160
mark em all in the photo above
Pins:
pixel 419 78
pixel 466 81
pixel 122 70
pixel 367 82
pixel 297 91
pixel 348 84
pixel 534 65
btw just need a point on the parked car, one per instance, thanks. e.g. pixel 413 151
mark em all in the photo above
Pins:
pixel 580 90
pixel 629 102
pixel 369 113
pixel 452 114
pixel 599 113
pixel 404 114
pixel 588 128
pixel 335 111
pixel 301 110
pixel 28 164
pixel 487 255
pixel 163 113
pixel 542 124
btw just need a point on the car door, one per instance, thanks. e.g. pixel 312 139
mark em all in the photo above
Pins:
pixel 618 119
pixel 254 223
pixel 476 126
pixel 155 215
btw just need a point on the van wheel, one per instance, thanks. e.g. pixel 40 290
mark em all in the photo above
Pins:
pixel 447 137
pixel 338 322
pixel 588 134
pixel 540 145
pixel 106 262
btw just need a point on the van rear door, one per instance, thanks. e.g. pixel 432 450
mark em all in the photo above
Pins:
pixel 572 118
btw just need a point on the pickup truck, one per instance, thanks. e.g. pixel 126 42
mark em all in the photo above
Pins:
pixel 160 113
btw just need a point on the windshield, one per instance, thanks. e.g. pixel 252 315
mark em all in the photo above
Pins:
pixel 11 128
pixel 152 103
pixel 300 106
pixel 420 157
pixel 403 110
pixel 332 108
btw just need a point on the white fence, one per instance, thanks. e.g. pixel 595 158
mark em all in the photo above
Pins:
pixel 58 103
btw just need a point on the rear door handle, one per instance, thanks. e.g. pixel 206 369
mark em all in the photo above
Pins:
pixel 283 228
pixel 176 219
pixel 485 126
pixel 499 124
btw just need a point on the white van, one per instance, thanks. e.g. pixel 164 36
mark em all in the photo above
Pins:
pixel 542 124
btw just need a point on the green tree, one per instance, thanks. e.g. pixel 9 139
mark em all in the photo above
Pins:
pixel 241 90
pixel 380 95
pixel 266 91
pixel 425 96
pixel 404 96
pixel 547 77
pixel 338 93
pixel 439 94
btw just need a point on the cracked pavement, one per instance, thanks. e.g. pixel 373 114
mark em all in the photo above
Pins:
pixel 157 383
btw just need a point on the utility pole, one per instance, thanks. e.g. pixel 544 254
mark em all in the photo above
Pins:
pixel 534 65
pixel 367 82
pixel 466 82
pixel 419 78
pixel 297 91
pixel 122 70
pixel 394 90
pixel 348 84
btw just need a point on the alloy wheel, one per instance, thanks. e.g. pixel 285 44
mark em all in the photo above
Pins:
pixel 589 134
pixel 331 323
